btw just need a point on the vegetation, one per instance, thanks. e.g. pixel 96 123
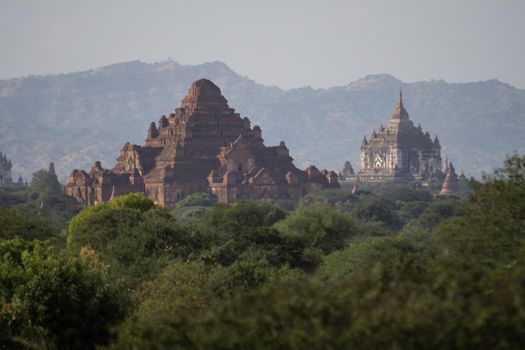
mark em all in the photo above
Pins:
pixel 51 300
pixel 392 267
pixel 43 206
pixel 193 207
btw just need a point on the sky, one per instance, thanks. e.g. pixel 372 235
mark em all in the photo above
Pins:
pixel 284 43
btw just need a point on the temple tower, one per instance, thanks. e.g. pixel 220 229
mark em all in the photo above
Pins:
pixel 400 150
pixel 205 146
pixel 450 187
pixel 347 173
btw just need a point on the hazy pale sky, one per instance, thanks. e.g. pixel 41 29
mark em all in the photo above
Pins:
pixel 283 43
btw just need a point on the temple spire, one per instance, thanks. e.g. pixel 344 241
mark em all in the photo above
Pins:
pixel 450 187
pixel 51 168
pixel 400 112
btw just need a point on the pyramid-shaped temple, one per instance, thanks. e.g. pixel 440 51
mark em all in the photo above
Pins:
pixel 205 146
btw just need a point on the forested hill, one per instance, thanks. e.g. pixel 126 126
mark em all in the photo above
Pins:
pixel 74 119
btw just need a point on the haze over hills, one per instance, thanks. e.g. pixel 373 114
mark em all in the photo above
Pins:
pixel 76 118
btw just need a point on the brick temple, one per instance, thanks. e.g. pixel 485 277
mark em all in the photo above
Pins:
pixel 205 146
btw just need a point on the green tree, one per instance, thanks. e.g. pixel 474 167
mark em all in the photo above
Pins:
pixel 322 227
pixel 45 199
pixel 344 199
pixel 14 224
pixel 239 218
pixel 393 254
pixel 132 201
pixel 44 181
pixel 197 200
pixel 453 280
pixel 439 211
pixel 231 229
pixel 193 207
pixel 10 197
pixel 183 292
pixel 51 300
pixel 132 235
pixel 377 209
pixel 492 229
pixel 411 210
pixel 407 195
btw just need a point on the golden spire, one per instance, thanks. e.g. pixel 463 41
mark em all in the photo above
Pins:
pixel 400 101
pixel 450 187
pixel 400 112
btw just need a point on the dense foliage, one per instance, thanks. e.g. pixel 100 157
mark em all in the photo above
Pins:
pixel 43 206
pixel 51 300
pixel 132 235
pixel 391 267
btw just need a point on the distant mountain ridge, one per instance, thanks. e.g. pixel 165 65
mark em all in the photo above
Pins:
pixel 74 119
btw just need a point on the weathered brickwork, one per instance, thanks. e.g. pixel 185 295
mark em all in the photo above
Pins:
pixel 204 146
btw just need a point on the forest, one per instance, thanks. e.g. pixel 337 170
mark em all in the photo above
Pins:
pixel 387 267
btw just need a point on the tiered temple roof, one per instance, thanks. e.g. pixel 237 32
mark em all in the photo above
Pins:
pixel 204 146
pixel 400 150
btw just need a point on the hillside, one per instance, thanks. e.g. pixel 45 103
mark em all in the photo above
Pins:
pixel 76 118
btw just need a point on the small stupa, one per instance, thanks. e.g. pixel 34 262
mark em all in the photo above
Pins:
pixel 347 173
pixel 450 186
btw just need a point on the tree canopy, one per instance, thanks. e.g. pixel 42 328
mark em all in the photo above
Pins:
pixel 393 267
pixel 52 300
